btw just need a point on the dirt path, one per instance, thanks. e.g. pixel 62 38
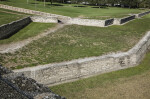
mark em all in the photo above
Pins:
pixel 14 46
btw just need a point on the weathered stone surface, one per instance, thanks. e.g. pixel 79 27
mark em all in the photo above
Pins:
pixel 17 86
pixel 7 30
pixel 87 22
pixel 44 19
pixel 4 70
pixel 7 92
pixel 109 22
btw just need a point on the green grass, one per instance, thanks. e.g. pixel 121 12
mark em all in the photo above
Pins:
pixel 7 16
pixel 73 42
pixel 31 30
pixel 103 85
pixel 70 10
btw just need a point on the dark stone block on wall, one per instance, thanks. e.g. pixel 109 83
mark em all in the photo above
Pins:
pixel 17 86
pixel 124 20
pixel 10 29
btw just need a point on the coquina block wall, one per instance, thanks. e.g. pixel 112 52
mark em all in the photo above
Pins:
pixel 119 21
pixel 20 87
pixel 78 21
pixel 81 68
pixel 7 30
pixel 109 22
pixel 44 19
pixel 90 22
pixel 87 22
pixel 30 11
pixel 142 14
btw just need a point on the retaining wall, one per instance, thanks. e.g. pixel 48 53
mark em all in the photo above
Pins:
pixel 109 22
pixel 142 14
pixel 72 70
pixel 87 22
pixel 78 21
pixel 30 11
pixel 124 20
pixel 7 30
pixel 90 22
pixel 44 19
pixel 17 86
pixel 119 21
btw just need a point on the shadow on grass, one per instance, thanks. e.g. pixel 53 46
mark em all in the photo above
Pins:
pixel 100 7
pixel 34 3
pixel 5 1
pixel 55 4
pixel 79 6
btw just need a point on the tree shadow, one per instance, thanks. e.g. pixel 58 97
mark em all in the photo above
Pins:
pixel 34 3
pixel 55 4
pixel 80 6
pixel 104 7
pixel 5 0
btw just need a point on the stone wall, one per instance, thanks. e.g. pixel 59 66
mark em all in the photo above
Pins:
pixel 127 19
pixel 87 22
pixel 44 19
pixel 7 30
pixel 119 21
pixel 78 21
pixel 28 11
pixel 109 22
pixel 72 70
pixel 17 86
pixel 142 14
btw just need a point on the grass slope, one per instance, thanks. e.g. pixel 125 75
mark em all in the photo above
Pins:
pixel 131 83
pixel 73 42
pixel 7 16
pixel 70 10
pixel 31 30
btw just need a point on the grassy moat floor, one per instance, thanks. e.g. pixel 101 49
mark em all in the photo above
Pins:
pixel 7 16
pixel 131 83
pixel 31 30
pixel 74 41
pixel 69 10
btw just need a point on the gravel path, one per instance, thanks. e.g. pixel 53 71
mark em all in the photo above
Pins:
pixel 14 46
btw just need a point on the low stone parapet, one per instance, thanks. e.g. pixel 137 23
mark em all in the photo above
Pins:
pixel 72 70
pixel 9 29
pixel 86 22
pixel 119 21
pixel 142 14
pixel 109 22
pixel 44 19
